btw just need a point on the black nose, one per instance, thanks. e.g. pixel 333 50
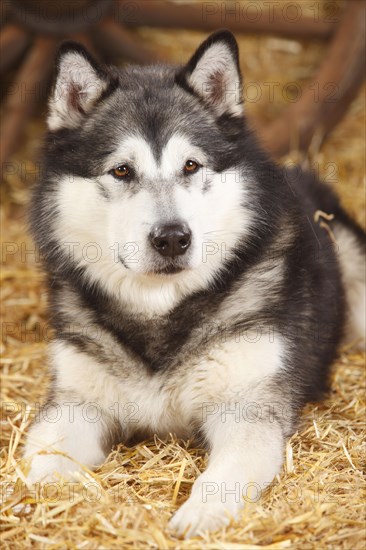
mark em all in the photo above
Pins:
pixel 171 239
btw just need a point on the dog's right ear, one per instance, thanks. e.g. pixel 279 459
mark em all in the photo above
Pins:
pixel 80 82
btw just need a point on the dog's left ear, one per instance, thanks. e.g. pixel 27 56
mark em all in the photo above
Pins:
pixel 213 73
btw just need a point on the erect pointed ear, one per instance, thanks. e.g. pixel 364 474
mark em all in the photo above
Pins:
pixel 213 73
pixel 80 82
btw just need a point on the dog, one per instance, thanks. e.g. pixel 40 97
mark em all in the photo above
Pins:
pixel 190 289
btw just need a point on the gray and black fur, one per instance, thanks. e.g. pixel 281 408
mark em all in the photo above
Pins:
pixel 304 302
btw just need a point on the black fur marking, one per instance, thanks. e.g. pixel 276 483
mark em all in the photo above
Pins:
pixel 123 262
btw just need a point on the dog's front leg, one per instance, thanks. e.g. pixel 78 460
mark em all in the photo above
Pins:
pixel 67 435
pixel 83 418
pixel 246 454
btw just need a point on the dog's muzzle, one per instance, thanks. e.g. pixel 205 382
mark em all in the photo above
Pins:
pixel 171 240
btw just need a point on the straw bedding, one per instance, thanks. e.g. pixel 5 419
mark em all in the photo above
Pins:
pixel 316 502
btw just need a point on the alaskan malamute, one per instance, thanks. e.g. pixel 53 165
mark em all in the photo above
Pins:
pixel 191 290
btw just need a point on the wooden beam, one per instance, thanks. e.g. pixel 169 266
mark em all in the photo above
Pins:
pixel 326 99
pixel 209 16
pixel 26 91
pixel 115 39
pixel 13 42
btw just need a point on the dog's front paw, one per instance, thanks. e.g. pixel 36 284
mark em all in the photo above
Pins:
pixel 49 467
pixel 195 516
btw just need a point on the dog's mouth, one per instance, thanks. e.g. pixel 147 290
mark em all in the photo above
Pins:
pixel 171 266
pixel 168 270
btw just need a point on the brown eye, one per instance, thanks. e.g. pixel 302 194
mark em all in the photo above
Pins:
pixel 122 171
pixel 190 167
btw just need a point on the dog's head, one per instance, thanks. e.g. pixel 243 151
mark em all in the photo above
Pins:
pixel 144 169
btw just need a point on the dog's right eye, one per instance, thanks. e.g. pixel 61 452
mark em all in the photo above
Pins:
pixel 122 171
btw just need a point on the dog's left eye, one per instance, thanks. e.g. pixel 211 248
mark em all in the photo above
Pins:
pixel 190 167
pixel 122 171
